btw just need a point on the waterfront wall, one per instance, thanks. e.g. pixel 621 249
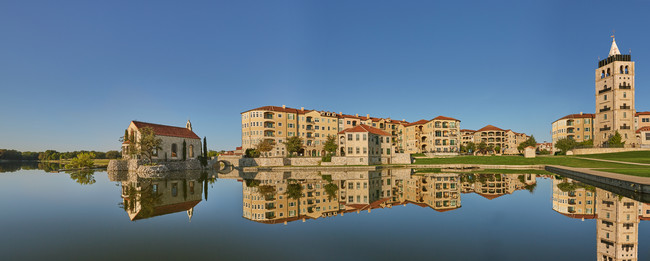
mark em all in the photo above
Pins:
pixel 139 166
pixel 602 150
pixel 239 161
pixel 603 179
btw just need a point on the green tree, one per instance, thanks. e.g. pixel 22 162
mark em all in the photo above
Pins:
pixel 212 153
pixel 462 148
pixel 293 144
pixel 204 153
pixel 616 140
pixel 331 189
pixel 148 143
pixel 252 153
pixel 112 154
pixel 184 150
pixel 82 161
pixel 471 147
pixel 490 148
pixel 294 191
pixel 330 144
pixel 482 147
pixel 587 143
pixel 529 142
pixel 83 177
pixel 497 148
pixel 265 146
pixel 565 144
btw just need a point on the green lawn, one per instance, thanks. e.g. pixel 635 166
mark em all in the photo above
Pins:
pixel 641 172
pixel 629 156
pixel 520 160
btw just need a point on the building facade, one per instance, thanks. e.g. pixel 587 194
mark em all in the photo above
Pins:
pixel 614 98
pixel 172 141
pixel 578 127
pixel 364 142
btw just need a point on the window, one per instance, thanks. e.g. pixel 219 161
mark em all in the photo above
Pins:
pixel 625 95
pixel 365 136
pixel 349 150
pixel 174 189
pixel 357 136
pixel 191 151
pixel 174 150
pixel 349 136
pixel 358 150
pixel 605 97
pixel 605 116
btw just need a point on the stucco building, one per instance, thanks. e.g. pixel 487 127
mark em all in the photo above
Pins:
pixel 578 127
pixel 615 98
pixel 364 144
pixel 172 141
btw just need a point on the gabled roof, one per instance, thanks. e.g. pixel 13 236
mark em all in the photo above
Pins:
pixel 489 196
pixel 641 113
pixel 420 122
pixel 490 128
pixel 445 118
pixel 164 130
pixel 642 129
pixel 467 130
pixel 366 128
pixel 279 109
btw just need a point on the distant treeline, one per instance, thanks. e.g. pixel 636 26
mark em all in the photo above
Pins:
pixel 54 155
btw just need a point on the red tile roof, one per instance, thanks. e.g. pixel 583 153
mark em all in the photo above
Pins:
pixel 420 122
pixel 445 118
pixel 164 130
pixel 642 113
pixel 279 109
pixel 366 128
pixel 467 130
pixel 168 209
pixel 489 196
pixel 580 216
pixel 646 128
pixel 578 116
pixel 490 128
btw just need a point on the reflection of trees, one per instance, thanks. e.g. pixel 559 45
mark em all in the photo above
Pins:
pixel 147 198
pixel 49 167
pixel 267 191
pixel 567 186
pixel 83 177
pixel 331 189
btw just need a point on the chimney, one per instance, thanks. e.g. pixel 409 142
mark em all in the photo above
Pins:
pixel 302 108
pixel 284 106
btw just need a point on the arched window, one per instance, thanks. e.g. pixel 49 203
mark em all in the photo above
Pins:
pixel 626 70
pixel 602 74
pixel 608 72
pixel 191 151
pixel 174 150
pixel 621 68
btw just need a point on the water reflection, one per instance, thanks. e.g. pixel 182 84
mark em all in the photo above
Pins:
pixel 617 217
pixel 146 197
pixel 281 197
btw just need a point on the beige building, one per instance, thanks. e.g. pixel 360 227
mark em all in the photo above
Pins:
pixel 365 144
pixel 641 119
pixel 578 203
pixel 438 135
pixel 643 137
pixel 614 98
pixel 507 140
pixel 578 127
pixel 279 123
pixel 467 136
pixel 172 140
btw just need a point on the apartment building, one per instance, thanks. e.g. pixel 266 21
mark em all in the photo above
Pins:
pixel 617 227
pixel 364 144
pixel 578 127
pixel 277 124
pixel 506 140
pixel 641 119
pixel 438 135
pixel 577 203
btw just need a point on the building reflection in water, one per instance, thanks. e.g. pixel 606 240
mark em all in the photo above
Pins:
pixel 617 217
pixel 282 197
pixel 146 197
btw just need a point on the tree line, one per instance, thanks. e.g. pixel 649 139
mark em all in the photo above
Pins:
pixel 9 154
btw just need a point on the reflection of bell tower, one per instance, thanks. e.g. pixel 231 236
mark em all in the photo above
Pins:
pixel 615 97
pixel 190 213
pixel 617 227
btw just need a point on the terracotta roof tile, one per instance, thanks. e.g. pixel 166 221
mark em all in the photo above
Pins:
pixel 578 116
pixel 365 128
pixel 467 130
pixel 490 128
pixel 642 113
pixel 164 130
pixel 420 122
pixel 642 129
pixel 445 118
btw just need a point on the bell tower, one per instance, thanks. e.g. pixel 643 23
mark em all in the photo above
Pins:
pixel 614 98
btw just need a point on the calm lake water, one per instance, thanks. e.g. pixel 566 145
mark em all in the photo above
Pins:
pixel 384 215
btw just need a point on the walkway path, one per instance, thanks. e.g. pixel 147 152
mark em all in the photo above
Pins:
pixel 595 172
pixel 616 161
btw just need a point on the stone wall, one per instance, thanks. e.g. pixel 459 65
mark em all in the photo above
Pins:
pixel 602 150
pixel 401 158
pixel 314 161
pixel 139 166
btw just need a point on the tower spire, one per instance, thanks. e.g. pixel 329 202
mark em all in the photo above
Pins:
pixel 614 49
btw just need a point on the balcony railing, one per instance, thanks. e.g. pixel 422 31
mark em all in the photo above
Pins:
pixel 605 129
pixel 605 90
pixel 605 109
pixel 624 127
pixel 625 87
pixel 625 107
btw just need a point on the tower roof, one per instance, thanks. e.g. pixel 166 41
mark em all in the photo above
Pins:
pixel 614 49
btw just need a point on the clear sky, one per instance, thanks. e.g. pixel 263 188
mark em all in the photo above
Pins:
pixel 74 73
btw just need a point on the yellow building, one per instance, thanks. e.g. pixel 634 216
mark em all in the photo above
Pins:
pixel 575 203
pixel 438 135
pixel 578 127
pixel 506 140
pixel 364 144
pixel 615 98
pixel 641 119
pixel 617 228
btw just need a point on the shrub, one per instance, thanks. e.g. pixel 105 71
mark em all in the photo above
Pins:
pixel 327 158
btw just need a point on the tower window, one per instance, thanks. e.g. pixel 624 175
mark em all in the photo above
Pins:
pixel 602 74
pixel 626 70
pixel 608 72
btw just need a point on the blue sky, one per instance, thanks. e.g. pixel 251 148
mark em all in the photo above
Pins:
pixel 74 73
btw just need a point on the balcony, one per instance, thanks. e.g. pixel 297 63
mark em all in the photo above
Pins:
pixel 605 90
pixel 625 127
pixel 572 202
pixel 270 206
pixel 269 125
pixel 269 133
pixel 625 107
pixel 268 115
pixel 605 109
pixel 605 128
pixel 625 87
pixel 270 215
